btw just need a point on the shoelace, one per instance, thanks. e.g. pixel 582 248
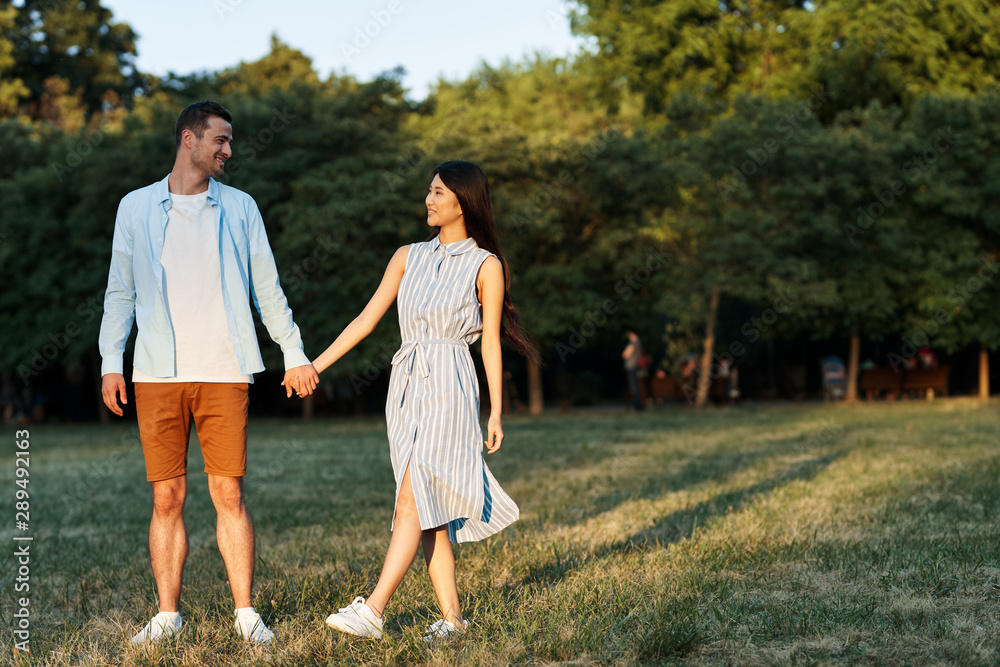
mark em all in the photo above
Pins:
pixel 352 606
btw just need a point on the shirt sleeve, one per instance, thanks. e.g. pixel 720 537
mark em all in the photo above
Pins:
pixel 119 299
pixel 268 297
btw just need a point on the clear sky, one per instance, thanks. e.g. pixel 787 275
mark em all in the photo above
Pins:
pixel 430 38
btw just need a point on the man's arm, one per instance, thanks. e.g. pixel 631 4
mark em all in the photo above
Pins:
pixel 270 301
pixel 119 313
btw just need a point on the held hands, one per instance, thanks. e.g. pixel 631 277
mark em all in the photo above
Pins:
pixel 494 431
pixel 113 386
pixel 301 379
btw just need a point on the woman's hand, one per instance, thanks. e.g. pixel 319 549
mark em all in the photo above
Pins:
pixel 302 380
pixel 494 436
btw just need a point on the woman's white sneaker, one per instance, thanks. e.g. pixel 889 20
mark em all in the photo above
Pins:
pixel 443 628
pixel 356 619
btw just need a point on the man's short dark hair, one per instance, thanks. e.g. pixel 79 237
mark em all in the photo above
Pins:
pixel 195 118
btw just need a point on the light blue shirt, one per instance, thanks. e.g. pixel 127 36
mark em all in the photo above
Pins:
pixel 136 284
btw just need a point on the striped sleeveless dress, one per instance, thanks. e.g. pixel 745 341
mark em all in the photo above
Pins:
pixel 432 410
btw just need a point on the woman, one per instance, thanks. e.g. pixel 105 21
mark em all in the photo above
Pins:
pixel 450 289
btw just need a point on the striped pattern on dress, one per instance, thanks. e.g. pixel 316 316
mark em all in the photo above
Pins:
pixel 432 410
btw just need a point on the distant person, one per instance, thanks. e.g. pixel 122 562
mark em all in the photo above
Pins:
pixel 450 290
pixel 926 358
pixel 13 412
pixel 689 376
pixel 631 357
pixel 733 393
pixel 188 256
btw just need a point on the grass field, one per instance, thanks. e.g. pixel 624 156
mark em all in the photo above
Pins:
pixel 760 535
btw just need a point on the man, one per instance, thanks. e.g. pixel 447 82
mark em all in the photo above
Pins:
pixel 188 254
pixel 631 358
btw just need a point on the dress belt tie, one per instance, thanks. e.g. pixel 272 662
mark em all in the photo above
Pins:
pixel 410 350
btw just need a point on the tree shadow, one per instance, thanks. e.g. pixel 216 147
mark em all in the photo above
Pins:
pixel 674 527
pixel 659 480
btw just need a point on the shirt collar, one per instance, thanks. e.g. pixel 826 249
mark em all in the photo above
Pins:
pixel 456 248
pixel 163 191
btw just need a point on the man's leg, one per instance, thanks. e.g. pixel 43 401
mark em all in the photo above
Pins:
pixel 234 531
pixel 633 385
pixel 168 543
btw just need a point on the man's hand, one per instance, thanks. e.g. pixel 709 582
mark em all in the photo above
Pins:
pixel 113 386
pixel 301 379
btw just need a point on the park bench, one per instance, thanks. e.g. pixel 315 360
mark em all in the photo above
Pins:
pixel 663 389
pixel 876 380
pixel 932 381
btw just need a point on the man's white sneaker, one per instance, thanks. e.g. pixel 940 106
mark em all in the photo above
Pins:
pixel 443 628
pixel 252 628
pixel 160 626
pixel 357 619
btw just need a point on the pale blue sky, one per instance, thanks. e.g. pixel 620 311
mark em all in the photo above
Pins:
pixel 430 38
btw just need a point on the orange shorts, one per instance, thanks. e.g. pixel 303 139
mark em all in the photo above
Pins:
pixel 220 411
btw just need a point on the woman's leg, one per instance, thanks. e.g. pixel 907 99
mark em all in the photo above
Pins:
pixel 441 566
pixel 402 547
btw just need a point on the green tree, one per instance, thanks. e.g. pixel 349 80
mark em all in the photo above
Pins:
pixel 284 67
pixel 711 49
pixel 730 222
pixel 12 89
pixel 540 130
pixel 948 144
pixel 67 50
pixel 311 154
pixel 894 52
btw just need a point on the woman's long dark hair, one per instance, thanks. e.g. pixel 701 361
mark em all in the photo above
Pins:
pixel 468 181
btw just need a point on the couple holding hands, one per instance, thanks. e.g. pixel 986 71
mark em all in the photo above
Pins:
pixel 187 257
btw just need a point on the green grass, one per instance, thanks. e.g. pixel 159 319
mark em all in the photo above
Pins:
pixel 762 535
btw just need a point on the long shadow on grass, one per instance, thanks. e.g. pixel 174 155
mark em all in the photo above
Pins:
pixel 674 527
pixel 657 480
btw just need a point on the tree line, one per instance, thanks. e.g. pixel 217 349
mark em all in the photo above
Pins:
pixel 721 174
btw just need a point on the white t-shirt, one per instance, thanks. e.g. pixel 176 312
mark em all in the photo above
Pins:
pixel 193 279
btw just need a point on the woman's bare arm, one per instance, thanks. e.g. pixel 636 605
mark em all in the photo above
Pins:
pixel 364 324
pixel 491 292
